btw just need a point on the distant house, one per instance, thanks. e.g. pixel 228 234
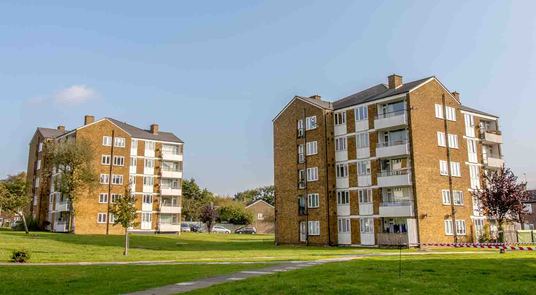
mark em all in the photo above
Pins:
pixel 263 216
pixel 530 205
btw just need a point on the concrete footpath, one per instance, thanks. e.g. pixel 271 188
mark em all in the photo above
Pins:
pixel 281 267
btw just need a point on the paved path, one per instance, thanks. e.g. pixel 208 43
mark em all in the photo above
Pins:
pixel 149 262
pixel 287 266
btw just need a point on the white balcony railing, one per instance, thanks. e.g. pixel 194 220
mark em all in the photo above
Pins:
pixel 392 119
pixel 62 206
pixel 171 174
pixel 60 226
pixel 492 137
pixel 392 148
pixel 171 157
pixel 168 191
pixel 494 162
pixel 170 209
pixel 169 227
pixel 397 209
pixel 394 178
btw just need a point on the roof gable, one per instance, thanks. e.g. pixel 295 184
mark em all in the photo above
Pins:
pixel 321 104
pixel 260 201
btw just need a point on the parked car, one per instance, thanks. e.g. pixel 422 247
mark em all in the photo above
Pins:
pixel 196 228
pixel 185 227
pixel 220 229
pixel 246 230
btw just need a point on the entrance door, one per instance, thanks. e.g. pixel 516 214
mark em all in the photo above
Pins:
pixel 146 220
pixel 303 231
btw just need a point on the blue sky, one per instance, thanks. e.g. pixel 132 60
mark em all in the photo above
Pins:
pixel 217 72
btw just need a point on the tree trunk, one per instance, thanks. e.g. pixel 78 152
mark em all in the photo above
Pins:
pixel 24 222
pixel 126 242
pixel 501 231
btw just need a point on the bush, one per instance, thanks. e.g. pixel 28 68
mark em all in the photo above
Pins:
pixel 20 256
pixel 235 213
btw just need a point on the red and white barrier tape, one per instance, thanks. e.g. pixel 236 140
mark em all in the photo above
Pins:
pixel 482 245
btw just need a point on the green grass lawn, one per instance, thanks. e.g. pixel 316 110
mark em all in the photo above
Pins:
pixel 56 247
pixel 103 279
pixel 510 273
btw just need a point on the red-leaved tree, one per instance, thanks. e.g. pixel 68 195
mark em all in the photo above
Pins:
pixel 208 216
pixel 502 198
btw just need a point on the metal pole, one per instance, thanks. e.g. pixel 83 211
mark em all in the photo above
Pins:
pixel 453 210
pixel 110 183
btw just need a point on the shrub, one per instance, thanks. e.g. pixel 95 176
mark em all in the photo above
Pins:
pixel 20 256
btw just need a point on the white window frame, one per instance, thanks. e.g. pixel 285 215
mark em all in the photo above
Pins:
pixel 451 113
pixel 148 180
pixel 448 227
pixel 314 228
pixel 313 200
pixel 38 165
pixel 344 225
pixel 340 118
pixel 106 159
pixel 457 198
pixel 311 148
pixel 119 161
pixel 443 167
pixel 362 140
pixel 460 227
pixel 528 208
pixel 107 140
pixel 455 169
pixel 453 141
pixel 363 167
pixel 117 179
pixel 114 197
pixel 343 197
pixel 341 170
pixel 445 197
pixel 361 113
pixel 104 178
pixel 101 217
pixel 150 145
pixel 40 147
pixel 364 196
pixel 340 144
pixel 474 174
pixel 441 141
pixel 310 123
pixel 439 111
pixel 312 174
pixel 103 198
pixel 119 142
pixel 366 225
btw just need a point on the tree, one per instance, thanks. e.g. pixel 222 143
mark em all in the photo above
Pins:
pixel 208 216
pixel 14 196
pixel 193 199
pixel 124 212
pixel 502 198
pixel 73 160
pixel 235 213
pixel 265 193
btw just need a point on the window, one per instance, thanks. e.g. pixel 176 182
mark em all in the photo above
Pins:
pixel 104 179
pixel 132 180
pixel 441 139
pixel 361 113
pixel 117 179
pixel 451 113
pixel 119 142
pixel 341 170
pixel 171 166
pixel 343 198
pixel 119 161
pixel 471 148
pixel 340 144
pixel 105 159
pixel 169 183
pixel 147 199
pixel 101 218
pixel 38 165
pixel 112 218
pixel 475 176
pixel 134 145
pixel 314 228
pixel 457 197
pixel 311 148
pixel 469 125
pixel 115 197
pixel 133 162
pixel 366 225
pixel 453 141
pixel 170 149
pixel 300 128
pixel 310 123
pixel 340 118
pixel 260 216
pixel 362 140
pixel 312 174
pixel 448 227
pixel 148 180
pixel 528 208
pixel 439 111
pixel 479 227
pixel 344 225
pixel 313 200
pixel 301 156
pixel 363 168
pixel 455 169
pixel 107 141
pixel 443 167
pixel 446 196
pixel 40 148
pixel 364 195
pixel 149 163
pixel 150 145
pixel 460 227
pixel 103 198
pixel 301 178
pixel 302 210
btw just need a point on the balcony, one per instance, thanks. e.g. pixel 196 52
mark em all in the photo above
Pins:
pixel 397 209
pixel 494 137
pixel 343 209
pixel 171 174
pixel 171 157
pixel 170 209
pixel 392 148
pixel 493 162
pixel 301 158
pixel 169 227
pixel 62 206
pixel 301 184
pixel 60 226
pixel 392 119
pixel 393 239
pixel 394 178
pixel 366 209
pixel 169 191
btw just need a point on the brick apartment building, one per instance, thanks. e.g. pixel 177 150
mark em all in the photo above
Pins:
pixel 151 160
pixel 391 164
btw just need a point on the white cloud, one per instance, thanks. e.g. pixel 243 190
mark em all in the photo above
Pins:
pixel 75 94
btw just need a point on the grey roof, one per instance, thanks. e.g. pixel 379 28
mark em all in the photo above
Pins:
pixel 376 92
pixel 466 108
pixel 49 132
pixel 146 134
pixel 318 102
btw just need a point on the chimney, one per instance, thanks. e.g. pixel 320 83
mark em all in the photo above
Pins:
pixel 456 95
pixel 316 96
pixel 394 81
pixel 154 128
pixel 61 128
pixel 88 119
